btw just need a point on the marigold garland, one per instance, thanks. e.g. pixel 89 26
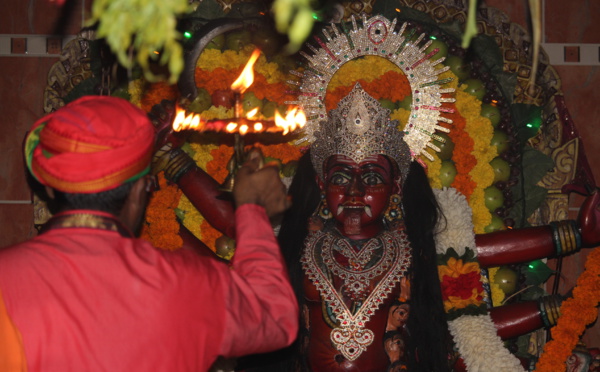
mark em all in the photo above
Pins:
pixel 283 151
pixel 461 285
pixel 391 85
pixel 576 313
pixel 482 174
pixel 161 226
pixel 157 92
pixel 498 294
pixel 135 88
pixel 367 68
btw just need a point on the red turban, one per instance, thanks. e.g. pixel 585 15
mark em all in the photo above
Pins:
pixel 93 144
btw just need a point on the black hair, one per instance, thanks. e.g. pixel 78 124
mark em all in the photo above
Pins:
pixel 110 201
pixel 427 322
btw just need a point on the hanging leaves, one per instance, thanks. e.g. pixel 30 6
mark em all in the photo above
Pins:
pixel 140 31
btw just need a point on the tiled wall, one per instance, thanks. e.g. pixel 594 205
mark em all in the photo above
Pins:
pixel 22 82
pixel 23 78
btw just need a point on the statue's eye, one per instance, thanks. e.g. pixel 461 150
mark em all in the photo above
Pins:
pixel 339 178
pixel 372 179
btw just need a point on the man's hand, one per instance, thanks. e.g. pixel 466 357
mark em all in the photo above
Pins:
pixel 261 186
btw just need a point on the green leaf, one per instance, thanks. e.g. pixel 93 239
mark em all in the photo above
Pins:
pixel 208 9
pixel 532 294
pixel 487 50
pixel 528 196
pixel 537 272
pixel 535 164
pixel 180 214
pixel 468 256
pixel 523 346
pixel 526 120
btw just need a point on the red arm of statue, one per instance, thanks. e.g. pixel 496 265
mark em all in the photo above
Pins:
pixel 516 319
pixel 525 317
pixel 524 245
pixel 202 190
pixel 514 246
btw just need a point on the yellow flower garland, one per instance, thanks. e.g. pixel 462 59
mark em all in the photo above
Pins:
pixel 481 131
pixel 498 294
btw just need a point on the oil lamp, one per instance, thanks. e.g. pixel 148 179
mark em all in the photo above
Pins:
pixel 240 125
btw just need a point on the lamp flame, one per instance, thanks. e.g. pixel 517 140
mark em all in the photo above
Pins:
pixel 246 78
pixel 293 119
pixel 183 121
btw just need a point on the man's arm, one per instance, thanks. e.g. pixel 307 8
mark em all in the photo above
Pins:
pixel 262 310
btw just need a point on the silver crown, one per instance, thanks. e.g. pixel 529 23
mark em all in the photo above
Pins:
pixel 377 36
pixel 358 128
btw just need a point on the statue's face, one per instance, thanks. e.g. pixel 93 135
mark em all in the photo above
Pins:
pixel 359 194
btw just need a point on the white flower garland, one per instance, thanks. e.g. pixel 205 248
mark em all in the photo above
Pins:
pixel 475 336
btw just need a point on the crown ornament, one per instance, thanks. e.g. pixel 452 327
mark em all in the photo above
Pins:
pixel 358 128
pixel 377 36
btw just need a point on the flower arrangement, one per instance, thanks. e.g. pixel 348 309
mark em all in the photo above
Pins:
pixel 470 325
pixel 576 313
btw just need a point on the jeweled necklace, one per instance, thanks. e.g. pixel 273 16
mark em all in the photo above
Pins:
pixel 360 269
pixel 352 337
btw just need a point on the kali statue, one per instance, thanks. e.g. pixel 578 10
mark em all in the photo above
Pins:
pixel 362 241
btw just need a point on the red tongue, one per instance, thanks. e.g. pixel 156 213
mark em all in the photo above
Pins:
pixel 352 222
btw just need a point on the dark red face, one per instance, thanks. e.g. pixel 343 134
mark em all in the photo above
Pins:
pixel 358 194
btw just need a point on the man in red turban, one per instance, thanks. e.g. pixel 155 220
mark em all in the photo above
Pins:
pixel 86 295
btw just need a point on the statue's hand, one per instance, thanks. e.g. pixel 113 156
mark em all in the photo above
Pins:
pixel 162 116
pixel 168 156
pixel 589 220
pixel 262 186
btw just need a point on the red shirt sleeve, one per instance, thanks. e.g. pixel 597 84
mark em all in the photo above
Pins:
pixel 262 310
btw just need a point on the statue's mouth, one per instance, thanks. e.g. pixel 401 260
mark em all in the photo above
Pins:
pixel 354 206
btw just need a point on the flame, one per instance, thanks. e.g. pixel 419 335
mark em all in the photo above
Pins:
pixel 231 127
pixel 294 118
pixel 183 121
pixel 258 127
pixel 252 113
pixel 246 78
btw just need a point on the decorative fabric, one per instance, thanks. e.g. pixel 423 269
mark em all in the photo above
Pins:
pixel 93 144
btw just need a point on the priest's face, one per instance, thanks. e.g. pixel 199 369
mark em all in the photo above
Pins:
pixel 358 193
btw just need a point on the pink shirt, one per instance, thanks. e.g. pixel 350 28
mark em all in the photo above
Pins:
pixel 92 300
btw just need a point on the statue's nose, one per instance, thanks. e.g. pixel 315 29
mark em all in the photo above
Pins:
pixel 356 187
